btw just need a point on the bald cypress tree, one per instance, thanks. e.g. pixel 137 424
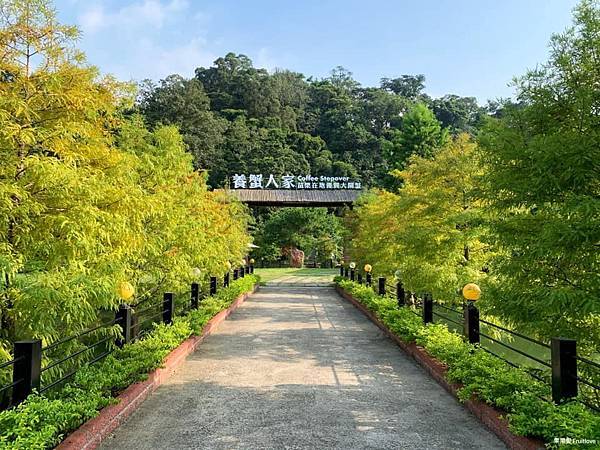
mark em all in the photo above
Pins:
pixel 543 186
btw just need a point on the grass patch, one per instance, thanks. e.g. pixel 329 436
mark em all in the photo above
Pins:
pixel 313 275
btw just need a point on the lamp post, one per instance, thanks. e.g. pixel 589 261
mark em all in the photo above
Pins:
pixel 400 295
pixel 352 270
pixel 471 292
pixel 195 287
pixel 227 274
pixel 124 316
pixel 368 268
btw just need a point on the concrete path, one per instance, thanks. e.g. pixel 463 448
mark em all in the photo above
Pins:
pixel 300 368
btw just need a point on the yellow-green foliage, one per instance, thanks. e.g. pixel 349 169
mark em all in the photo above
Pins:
pixel 430 229
pixel 88 196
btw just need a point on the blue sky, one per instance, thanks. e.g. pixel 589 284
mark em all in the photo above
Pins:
pixel 464 47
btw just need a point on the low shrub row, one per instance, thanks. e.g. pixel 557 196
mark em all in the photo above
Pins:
pixel 484 376
pixel 42 422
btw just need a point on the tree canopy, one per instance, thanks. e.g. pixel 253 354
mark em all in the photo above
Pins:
pixel 232 116
pixel 315 231
pixel 517 209
pixel 89 197
pixel 543 187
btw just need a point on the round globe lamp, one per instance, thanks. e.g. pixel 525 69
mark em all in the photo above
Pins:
pixel 471 292
pixel 125 291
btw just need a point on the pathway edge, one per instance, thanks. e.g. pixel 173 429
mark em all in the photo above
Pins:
pixel 487 415
pixel 90 434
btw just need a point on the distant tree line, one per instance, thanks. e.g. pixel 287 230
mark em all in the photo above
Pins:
pixel 236 118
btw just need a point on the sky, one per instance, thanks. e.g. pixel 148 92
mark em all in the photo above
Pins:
pixel 463 47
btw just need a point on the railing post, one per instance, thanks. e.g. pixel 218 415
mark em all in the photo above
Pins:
pixel 195 298
pixel 471 323
pixel 352 274
pixel 400 296
pixel 124 318
pixel 369 279
pixel 213 285
pixel 564 368
pixel 427 308
pixel 168 307
pixel 252 269
pixel 135 326
pixel 381 286
pixel 235 274
pixel 360 280
pixel 226 279
pixel 341 271
pixel 346 272
pixel 27 369
pixel 242 271
pixel 247 270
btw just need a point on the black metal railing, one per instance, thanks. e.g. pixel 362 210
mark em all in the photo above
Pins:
pixel 37 367
pixel 560 371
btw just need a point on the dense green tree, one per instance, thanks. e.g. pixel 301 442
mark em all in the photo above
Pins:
pixel 291 92
pixel 233 83
pixel 314 150
pixel 348 125
pixel 342 78
pixel 407 86
pixel 457 114
pixel 421 134
pixel 250 148
pixel 181 102
pixel 544 188
pixel 431 229
pixel 329 124
pixel 381 111
pixel 315 231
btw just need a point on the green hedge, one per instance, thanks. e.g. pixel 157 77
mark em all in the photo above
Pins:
pixel 484 376
pixel 41 422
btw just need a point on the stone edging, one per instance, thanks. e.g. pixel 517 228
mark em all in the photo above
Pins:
pixel 89 435
pixel 486 414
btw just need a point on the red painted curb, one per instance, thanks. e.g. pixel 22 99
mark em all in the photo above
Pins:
pixel 486 414
pixel 89 435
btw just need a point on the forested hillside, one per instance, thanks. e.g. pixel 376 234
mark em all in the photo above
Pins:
pixel 236 118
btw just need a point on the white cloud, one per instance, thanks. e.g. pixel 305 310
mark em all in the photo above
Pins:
pixel 146 38
pixel 92 19
pixel 183 59
pixel 151 60
pixel 141 39
pixel 153 13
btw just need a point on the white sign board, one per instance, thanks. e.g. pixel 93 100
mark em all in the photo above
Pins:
pixel 260 181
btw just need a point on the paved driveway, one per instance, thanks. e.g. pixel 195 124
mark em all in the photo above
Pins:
pixel 300 368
